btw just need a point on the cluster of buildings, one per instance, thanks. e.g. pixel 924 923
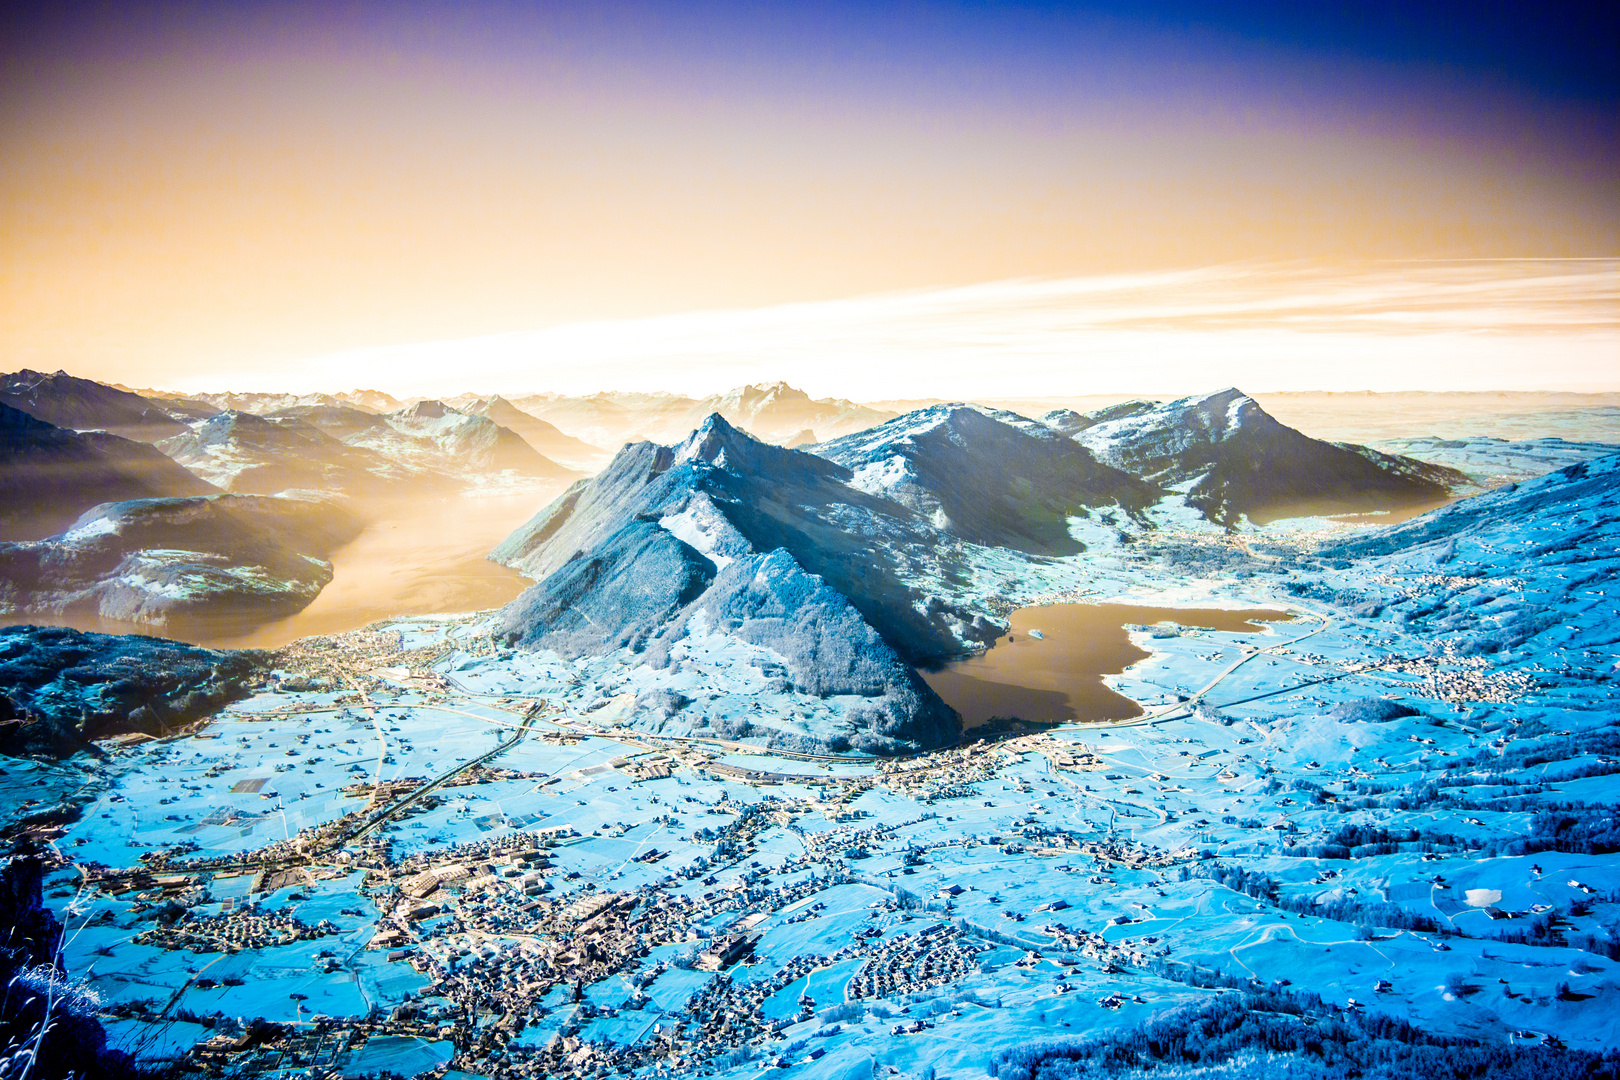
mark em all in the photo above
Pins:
pixel 241 927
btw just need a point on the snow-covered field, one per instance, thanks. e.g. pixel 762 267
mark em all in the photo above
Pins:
pixel 1402 801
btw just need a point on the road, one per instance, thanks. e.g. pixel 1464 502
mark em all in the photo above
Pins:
pixel 443 778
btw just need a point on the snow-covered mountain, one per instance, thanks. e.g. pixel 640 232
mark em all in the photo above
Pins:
pixel 989 477
pixel 429 440
pixel 726 494
pixel 236 558
pixel 544 437
pixel 777 412
pixel 50 475
pixel 369 401
pixel 343 422
pixel 834 563
pixel 724 535
pixel 430 434
pixel 82 405
pixel 610 418
pixel 247 454
pixel 1231 459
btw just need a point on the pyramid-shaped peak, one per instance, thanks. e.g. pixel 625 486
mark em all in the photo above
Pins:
pixel 711 439
pixel 427 410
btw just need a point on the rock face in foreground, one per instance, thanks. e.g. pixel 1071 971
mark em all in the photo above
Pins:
pixel 1232 458
pixel 49 475
pixel 242 559
pixel 60 688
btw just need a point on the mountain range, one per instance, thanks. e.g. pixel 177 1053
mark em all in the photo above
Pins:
pixel 82 405
pixel 726 536
pixel 884 513
pixel 707 538
pixel 774 412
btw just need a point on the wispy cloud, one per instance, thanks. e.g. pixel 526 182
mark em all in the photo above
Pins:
pixel 1519 324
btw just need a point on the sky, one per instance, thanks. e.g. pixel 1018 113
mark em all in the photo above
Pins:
pixel 870 200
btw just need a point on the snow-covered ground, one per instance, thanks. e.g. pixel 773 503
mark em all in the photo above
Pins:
pixel 1403 799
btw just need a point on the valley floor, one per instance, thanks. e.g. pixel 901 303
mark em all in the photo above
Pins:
pixel 422 853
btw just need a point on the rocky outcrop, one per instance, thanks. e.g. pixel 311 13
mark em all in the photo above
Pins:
pixel 61 688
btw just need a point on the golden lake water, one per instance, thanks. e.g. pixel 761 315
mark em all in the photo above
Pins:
pixel 1058 677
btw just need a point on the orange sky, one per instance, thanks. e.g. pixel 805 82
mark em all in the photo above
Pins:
pixel 197 201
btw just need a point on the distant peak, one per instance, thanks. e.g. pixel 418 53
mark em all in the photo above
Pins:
pixel 427 410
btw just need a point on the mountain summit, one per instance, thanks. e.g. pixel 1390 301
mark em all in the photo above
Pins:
pixel 726 542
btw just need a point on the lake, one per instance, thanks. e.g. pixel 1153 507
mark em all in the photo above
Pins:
pixel 414 557
pixel 1058 677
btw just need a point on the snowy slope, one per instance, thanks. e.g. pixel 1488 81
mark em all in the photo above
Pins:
pixel 430 434
pixel 248 454
pixel 989 477
pixel 1527 570
pixel 1234 459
